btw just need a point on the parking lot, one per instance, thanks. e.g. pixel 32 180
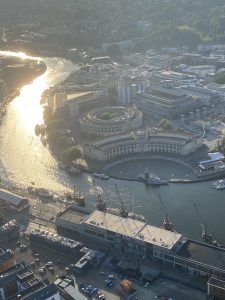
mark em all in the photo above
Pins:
pixel 160 289
pixel 37 257
pixel 105 279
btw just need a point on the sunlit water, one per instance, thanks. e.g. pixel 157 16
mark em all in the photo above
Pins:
pixel 24 159
pixel 22 154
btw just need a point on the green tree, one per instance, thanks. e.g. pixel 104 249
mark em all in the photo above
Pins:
pixel 113 50
pixel 222 145
pixel 220 79
pixel 180 129
pixel 53 136
pixel 62 142
pixel 47 114
pixel 165 124
pixel 56 124
pixel 71 153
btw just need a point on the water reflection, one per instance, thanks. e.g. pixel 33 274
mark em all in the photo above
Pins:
pixel 22 153
pixel 27 105
pixel 21 55
pixel 23 159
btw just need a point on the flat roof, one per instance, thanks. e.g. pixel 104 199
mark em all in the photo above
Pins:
pixel 133 228
pixel 107 221
pixel 218 283
pixel 158 236
pixel 5 255
pixel 77 95
pixel 10 197
pixel 181 75
pixel 73 216
pixel 203 253
pixel 66 285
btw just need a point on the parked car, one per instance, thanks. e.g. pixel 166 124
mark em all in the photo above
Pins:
pixel 49 264
pixel 51 269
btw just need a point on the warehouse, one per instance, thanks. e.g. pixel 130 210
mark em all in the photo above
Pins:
pixel 13 202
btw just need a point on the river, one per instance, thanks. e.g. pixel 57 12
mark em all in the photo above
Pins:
pixel 24 159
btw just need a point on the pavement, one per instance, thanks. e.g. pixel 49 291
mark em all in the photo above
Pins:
pixel 170 283
pixel 161 288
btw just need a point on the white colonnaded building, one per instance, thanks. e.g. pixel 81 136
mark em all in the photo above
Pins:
pixel 143 141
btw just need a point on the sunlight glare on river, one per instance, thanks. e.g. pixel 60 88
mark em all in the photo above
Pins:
pixel 21 55
pixel 28 160
pixel 27 105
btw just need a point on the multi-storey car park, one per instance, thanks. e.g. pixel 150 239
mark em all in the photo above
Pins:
pixel 149 140
pixel 111 120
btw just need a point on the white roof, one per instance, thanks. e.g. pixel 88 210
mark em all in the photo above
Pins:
pixel 131 228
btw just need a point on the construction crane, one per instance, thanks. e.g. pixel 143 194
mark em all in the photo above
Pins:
pixel 166 224
pixel 206 236
pixel 100 203
pixel 123 211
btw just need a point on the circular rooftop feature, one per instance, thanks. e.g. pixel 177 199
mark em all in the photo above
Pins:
pixel 111 120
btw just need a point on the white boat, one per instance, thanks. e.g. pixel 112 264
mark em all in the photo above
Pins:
pixel 155 181
pixel 73 170
pixel 151 179
pixel 219 184
pixel 100 176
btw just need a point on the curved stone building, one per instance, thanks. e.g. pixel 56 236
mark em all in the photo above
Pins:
pixel 149 140
pixel 111 120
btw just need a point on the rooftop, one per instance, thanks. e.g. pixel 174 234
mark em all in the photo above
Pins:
pixel 133 228
pixel 216 86
pixel 179 138
pixel 42 293
pixel 217 283
pixel 79 96
pixel 158 236
pixel 71 290
pixel 73 215
pixel 5 255
pixel 178 75
pixel 11 198
pixel 203 253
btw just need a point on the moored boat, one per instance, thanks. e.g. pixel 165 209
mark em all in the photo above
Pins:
pixel 219 184
pixel 154 180
pixel 151 179
pixel 73 170
pixel 77 197
pixel 41 192
pixel 100 176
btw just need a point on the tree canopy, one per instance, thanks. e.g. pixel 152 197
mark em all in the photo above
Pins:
pixel 165 124
pixel 174 22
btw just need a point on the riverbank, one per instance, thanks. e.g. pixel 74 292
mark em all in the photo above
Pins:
pixel 17 75
pixel 117 169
